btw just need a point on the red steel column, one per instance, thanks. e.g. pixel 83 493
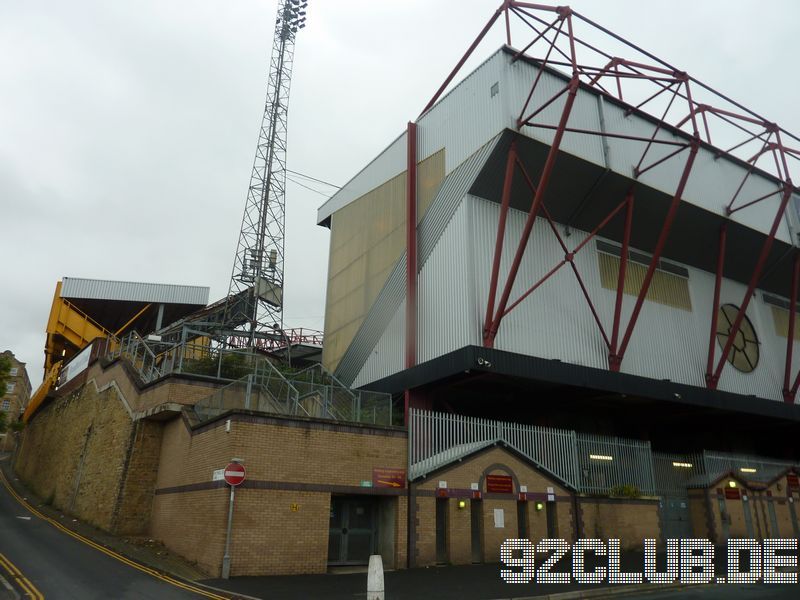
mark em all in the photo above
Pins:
pixel 537 200
pixel 712 337
pixel 614 360
pixel 411 258
pixel 762 260
pixel 498 244
pixel 662 241
pixel 788 396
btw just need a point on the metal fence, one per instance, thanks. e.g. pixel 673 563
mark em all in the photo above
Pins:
pixel 309 393
pixel 588 463
pixel 255 383
pixel 675 472
pixel 607 463
pixel 753 468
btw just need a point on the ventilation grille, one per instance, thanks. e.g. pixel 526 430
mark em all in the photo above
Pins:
pixel 644 259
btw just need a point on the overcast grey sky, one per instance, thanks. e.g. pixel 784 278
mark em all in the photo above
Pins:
pixel 127 129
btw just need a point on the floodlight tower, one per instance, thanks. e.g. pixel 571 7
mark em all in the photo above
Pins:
pixel 255 295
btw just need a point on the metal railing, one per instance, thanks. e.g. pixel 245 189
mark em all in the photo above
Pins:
pixel 587 463
pixel 675 472
pixel 752 468
pixel 609 462
pixel 310 393
pixel 153 359
pixel 254 382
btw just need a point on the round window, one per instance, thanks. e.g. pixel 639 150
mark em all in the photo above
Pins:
pixel 744 350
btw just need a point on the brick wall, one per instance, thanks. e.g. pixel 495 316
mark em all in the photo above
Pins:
pixel 459 478
pixel 283 508
pixel 780 500
pixel 74 452
pixel 83 454
pixel 629 520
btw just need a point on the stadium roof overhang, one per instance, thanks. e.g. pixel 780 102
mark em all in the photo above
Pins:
pixel 550 392
pixel 580 194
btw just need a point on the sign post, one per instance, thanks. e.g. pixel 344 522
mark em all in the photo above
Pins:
pixel 234 475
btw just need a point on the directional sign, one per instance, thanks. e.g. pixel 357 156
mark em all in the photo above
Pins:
pixel 388 477
pixel 234 474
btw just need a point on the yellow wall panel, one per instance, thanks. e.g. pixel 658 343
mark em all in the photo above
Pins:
pixel 368 236
pixel 665 288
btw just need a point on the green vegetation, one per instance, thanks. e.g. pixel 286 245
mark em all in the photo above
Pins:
pixel 625 491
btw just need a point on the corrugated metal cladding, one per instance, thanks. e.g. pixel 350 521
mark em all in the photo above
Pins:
pixel 389 163
pixel 468 115
pixel 73 287
pixel 713 181
pixel 555 322
pixel 430 230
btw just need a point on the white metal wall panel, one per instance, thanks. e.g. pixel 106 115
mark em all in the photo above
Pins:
pixel 468 116
pixel 430 230
pixel 74 287
pixel 554 322
pixel 388 355
pixel 584 115
pixel 444 300
pixel 712 184
pixel 388 164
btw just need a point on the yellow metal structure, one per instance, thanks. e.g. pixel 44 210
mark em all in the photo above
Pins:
pixel 40 394
pixel 69 330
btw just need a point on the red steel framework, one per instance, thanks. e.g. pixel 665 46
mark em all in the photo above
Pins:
pixel 642 83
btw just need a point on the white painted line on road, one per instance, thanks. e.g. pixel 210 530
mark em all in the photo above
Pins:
pixel 24 518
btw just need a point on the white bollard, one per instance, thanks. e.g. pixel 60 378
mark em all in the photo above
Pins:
pixel 375 589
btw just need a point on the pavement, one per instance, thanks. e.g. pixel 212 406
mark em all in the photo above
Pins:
pixel 46 552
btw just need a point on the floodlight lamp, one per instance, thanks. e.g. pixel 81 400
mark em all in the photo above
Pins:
pixel 732 484
pixel 539 506
pixel 462 504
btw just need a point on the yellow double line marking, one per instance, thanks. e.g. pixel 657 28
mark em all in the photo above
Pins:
pixel 21 580
pixel 104 550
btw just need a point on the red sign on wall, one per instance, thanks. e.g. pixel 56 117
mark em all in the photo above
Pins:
pixel 388 477
pixel 499 484
pixel 732 493
pixel 793 480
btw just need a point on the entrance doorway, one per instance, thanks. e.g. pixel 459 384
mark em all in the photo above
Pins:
pixel 441 530
pixel 476 529
pixel 353 533
pixel 675 522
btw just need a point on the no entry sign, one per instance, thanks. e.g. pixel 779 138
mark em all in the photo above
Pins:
pixel 234 474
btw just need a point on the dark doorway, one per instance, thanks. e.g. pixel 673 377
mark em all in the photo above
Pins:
pixel 552 520
pixel 522 520
pixel 353 530
pixel 441 530
pixel 476 527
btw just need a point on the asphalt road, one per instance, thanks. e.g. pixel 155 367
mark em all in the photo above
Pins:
pixel 36 556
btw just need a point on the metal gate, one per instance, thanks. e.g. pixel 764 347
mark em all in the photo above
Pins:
pixel 675 521
pixel 353 530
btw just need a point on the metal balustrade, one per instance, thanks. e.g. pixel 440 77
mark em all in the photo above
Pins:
pixel 589 463
pixel 254 382
pixel 752 468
